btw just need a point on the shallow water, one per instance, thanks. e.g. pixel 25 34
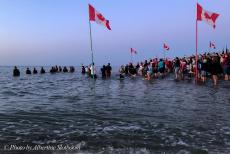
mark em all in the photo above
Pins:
pixel 113 116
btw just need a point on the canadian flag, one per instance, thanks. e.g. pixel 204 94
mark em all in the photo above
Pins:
pixel 208 17
pixel 166 47
pixel 96 16
pixel 133 51
pixel 212 45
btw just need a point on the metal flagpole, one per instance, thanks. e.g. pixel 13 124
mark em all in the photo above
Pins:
pixel 209 47
pixel 131 57
pixel 91 47
pixel 196 51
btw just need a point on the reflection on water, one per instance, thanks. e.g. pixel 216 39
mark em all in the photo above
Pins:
pixel 114 116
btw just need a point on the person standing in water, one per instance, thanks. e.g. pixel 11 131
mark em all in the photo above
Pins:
pixel 35 71
pixel 65 70
pixel 108 70
pixel 215 69
pixel 93 71
pixel 16 72
pixel 103 72
pixel 122 72
pixel 177 68
pixel 28 71
pixel 83 69
pixel 42 71
pixel 161 68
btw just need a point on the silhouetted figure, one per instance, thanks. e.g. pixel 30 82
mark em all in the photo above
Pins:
pixel 108 70
pixel 28 71
pixel 72 69
pixel 52 70
pixel 42 71
pixel 132 70
pixel 103 71
pixel 35 71
pixel 65 70
pixel 56 69
pixel 16 72
pixel 60 69
pixel 83 69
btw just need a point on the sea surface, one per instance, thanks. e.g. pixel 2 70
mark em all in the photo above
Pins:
pixel 70 110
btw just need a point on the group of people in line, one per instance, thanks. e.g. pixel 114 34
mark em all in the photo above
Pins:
pixel 54 69
pixel 57 69
pixel 209 65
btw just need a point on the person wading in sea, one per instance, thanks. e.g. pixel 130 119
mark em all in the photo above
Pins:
pixel 28 71
pixel 16 72
pixel 93 71
pixel 108 70
pixel 42 71
pixel 103 72
pixel 35 71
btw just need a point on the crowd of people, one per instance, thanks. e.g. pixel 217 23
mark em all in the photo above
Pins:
pixel 209 65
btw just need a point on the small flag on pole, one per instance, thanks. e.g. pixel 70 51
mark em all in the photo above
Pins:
pixel 212 45
pixel 133 51
pixel 208 17
pixel 166 47
pixel 96 16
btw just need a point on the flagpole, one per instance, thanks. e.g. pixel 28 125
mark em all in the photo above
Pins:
pixel 91 47
pixel 209 47
pixel 131 57
pixel 196 51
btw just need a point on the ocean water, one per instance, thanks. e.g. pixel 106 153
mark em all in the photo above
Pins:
pixel 112 116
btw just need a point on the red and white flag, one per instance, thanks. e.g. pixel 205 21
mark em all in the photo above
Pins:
pixel 212 45
pixel 96 16
pixel 208 17
pixel 133 51
pixel 166 47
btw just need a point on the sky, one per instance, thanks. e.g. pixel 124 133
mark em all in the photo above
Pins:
pixel 56 32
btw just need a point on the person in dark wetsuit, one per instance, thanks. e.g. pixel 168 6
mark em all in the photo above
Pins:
pixel 108 70
pixel 35 71
pixel 103 71
pixel 83 69
pixel 28 71
pixel 16 72
pixel 42 71
pixel 65 70
pixel 132 70
pixel 59 69
pixel 52 70
pixel 72 69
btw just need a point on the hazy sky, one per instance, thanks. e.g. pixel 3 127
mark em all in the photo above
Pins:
pixel 50 32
